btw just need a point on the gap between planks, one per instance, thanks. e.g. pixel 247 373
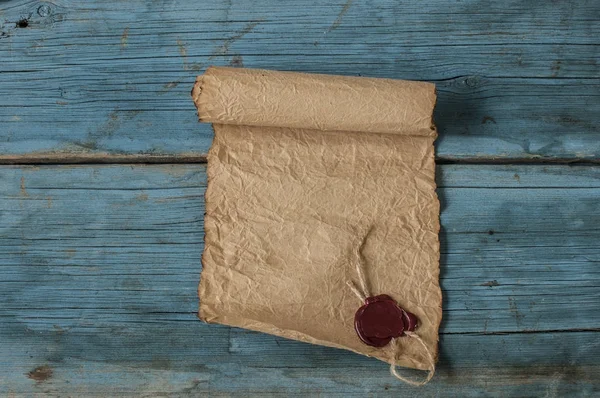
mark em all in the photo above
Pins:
pixel 99 159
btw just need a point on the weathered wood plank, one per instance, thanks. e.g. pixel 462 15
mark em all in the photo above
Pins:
pixel 99 267
pixel 516 79
pixel 192 358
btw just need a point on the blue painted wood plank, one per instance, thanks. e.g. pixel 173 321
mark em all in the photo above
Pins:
pixel 105 361
pixel 99 267
pixel 489 233
pixel 515 79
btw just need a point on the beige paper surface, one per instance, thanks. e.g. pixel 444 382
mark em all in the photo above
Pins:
pixel 307 175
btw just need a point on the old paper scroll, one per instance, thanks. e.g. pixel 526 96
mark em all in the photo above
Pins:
pixel 308 176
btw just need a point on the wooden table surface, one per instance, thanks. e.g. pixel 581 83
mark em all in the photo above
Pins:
pixel 102 180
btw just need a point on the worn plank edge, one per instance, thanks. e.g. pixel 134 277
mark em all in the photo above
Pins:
pixel 100 158
pixel 58 158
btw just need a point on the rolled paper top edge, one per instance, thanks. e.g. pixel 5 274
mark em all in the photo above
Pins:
pixel 256 97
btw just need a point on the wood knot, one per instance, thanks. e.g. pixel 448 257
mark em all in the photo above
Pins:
pixel 22 23
pixel 472 81
pixel 40 374
pixel 44 10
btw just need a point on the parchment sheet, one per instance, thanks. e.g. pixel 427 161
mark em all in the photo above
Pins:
pixel 307 175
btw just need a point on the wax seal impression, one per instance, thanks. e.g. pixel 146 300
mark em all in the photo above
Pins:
pixel 380 320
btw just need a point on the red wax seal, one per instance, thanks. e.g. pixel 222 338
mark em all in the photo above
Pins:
pixel 379 320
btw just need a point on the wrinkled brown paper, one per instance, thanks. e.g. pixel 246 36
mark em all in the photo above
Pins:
pixel 307 175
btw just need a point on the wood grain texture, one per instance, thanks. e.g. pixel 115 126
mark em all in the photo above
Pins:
pixel 516 79
pixel 100 266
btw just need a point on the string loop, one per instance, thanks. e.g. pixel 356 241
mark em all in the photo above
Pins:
pixel 430 372
pixel 362 293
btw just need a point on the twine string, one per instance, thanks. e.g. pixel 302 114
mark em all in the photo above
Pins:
pixel 360 269
pixel 430 371
pixel 362 292
pixel 362 297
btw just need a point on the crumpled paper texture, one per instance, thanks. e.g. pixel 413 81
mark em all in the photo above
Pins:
pixel 307 175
